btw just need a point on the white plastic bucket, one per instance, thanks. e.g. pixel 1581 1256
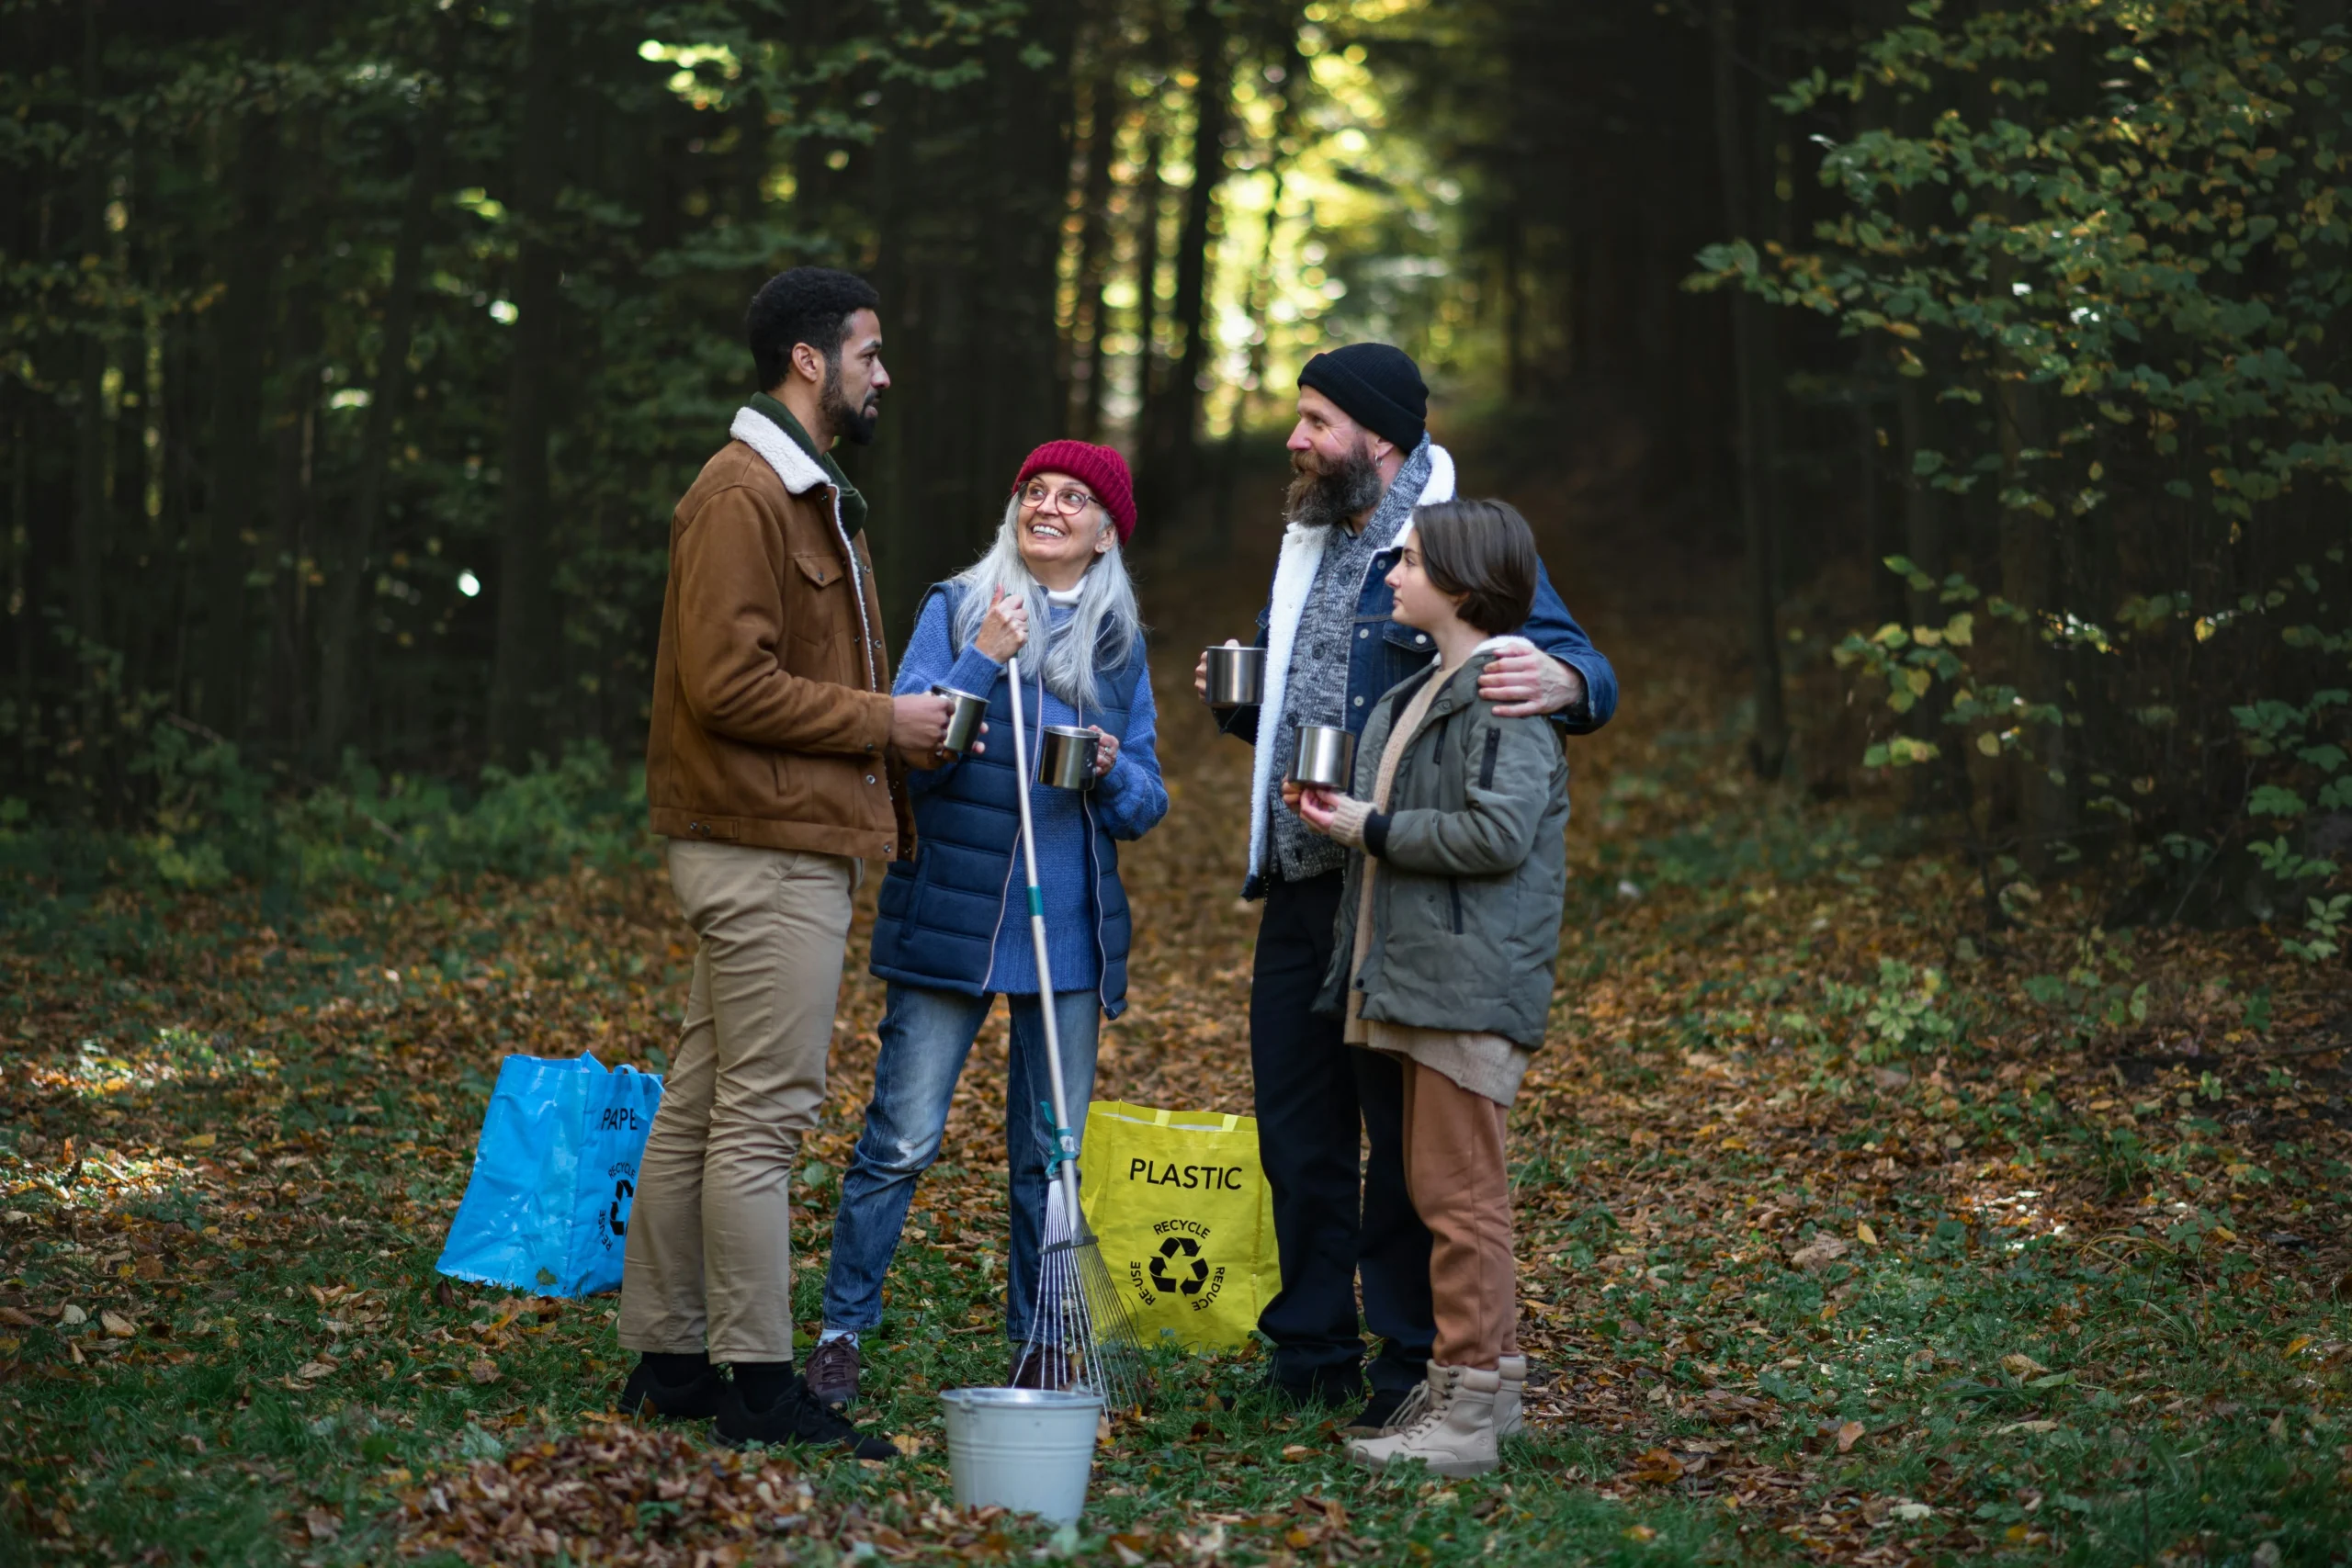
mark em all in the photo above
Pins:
pixel 1028 1449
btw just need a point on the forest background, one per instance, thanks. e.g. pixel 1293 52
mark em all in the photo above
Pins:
pixel 1936 409
pixel 356 354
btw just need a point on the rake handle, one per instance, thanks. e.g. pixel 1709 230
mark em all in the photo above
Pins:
pixel 1067 1170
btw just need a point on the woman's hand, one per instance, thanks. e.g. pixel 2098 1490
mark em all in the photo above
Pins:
pixel 1315 805
pixel 1106 750
pixel 1005 630
pixel 1291 794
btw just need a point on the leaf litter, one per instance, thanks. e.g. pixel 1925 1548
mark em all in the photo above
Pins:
pixel 1804 1113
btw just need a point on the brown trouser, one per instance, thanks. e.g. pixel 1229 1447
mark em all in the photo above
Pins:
pixel 1460 1188
pixel 709 1259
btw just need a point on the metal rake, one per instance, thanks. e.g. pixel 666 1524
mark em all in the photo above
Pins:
pixel 1081 1335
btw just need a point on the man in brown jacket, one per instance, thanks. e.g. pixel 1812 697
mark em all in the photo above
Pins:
pixel 775 768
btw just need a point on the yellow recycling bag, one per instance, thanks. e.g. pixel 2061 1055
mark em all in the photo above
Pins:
pixel 1186 1221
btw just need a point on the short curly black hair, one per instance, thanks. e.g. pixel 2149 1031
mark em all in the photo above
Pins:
pixel 806 304
pixel 1484 551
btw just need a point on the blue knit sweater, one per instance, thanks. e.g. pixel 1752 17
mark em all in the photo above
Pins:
pixel 1127 800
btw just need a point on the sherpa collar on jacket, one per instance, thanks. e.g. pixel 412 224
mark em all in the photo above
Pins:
pixel 828 471
pixel 782 447
pixel 1293 579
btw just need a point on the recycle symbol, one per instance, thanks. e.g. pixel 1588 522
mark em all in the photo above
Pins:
pixel 1171 1248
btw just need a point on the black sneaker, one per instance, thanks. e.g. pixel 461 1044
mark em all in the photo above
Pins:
pixel 798 1416
pixel 697 1399
pixel 832 1371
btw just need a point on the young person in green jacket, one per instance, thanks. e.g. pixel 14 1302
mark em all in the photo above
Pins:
pixel 1448 928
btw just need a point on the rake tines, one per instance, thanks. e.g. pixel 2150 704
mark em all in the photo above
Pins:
pixel 1082 1336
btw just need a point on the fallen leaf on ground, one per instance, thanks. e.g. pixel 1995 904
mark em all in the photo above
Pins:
pixel 322 1525
pixel 73 1315
pixel 1848 1436
pixel 2023 1365
pixel 1817 1254
pixel 116 1326
pixel 1655 1468
pixel 482 1371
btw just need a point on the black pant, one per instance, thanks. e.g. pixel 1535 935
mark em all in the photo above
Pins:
pixel 1312 1091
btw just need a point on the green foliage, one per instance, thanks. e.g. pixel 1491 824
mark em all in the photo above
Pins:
pixel 216 220
pixel 1907 1012
pixel 219 824
pixel 2108 246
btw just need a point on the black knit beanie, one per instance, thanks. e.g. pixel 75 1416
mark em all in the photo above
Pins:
pixel 1380 388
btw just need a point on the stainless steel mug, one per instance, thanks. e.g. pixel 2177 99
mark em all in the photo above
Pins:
pixel 963 724
pixel 1326 756
pixel 1065 760
pixel 1236 676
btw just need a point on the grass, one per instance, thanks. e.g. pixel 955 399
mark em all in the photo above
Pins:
pixel 1822 1261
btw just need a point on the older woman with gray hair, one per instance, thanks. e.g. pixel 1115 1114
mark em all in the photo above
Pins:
pixel 952 933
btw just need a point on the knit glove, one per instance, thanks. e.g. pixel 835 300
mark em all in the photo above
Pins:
pixel 1348 816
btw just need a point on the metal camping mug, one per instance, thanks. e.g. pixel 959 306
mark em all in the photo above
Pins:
pixel 1065 760
pixel 1236 676
pixel 1327 755
pixel 963 722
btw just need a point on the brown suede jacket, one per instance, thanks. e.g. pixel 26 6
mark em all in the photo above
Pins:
pixel 771 687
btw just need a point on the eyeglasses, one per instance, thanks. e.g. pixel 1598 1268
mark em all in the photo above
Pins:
pixel 1069 502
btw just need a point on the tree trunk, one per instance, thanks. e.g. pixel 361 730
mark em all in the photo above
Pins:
pixel 2038 770
pixel 1514 289
pixel 520 678
pixel 1087 322
pixel 287 690
pixel 89 466
pixel 241 331
pixel 1168 455
pixel 1150 196
pixel 1769 748
pixel 344 628
pixel 20 550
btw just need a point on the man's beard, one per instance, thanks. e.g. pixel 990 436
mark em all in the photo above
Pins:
pixel 856 424
pixel 1319 498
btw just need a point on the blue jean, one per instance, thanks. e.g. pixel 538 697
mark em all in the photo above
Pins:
pixel 926 1035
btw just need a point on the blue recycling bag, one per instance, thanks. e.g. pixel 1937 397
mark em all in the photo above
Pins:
pixel 548 1205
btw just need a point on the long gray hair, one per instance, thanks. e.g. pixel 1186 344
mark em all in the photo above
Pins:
pixel 1103 633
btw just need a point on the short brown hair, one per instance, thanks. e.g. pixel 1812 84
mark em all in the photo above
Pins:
pixel 1484 551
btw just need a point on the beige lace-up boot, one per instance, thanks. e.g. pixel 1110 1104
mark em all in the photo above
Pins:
pixel 1455 1434
pixel 1510 1419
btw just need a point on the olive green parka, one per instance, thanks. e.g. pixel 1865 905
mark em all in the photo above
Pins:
pixel 1473 865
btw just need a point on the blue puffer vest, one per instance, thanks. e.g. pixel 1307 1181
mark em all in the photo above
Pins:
pixel 937 916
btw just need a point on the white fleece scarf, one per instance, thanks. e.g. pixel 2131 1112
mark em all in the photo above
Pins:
pixel 800 474
pixel 1293 579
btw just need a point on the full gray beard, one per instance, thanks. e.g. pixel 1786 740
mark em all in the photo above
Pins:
pixel 1318 500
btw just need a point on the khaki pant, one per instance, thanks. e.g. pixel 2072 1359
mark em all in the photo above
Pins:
pixel 1460 1188
pixel 709 1259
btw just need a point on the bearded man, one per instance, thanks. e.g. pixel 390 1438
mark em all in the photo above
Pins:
pixel 1361 460
pixel 775 765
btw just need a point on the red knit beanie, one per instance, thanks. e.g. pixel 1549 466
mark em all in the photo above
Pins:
pixel 1102 470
